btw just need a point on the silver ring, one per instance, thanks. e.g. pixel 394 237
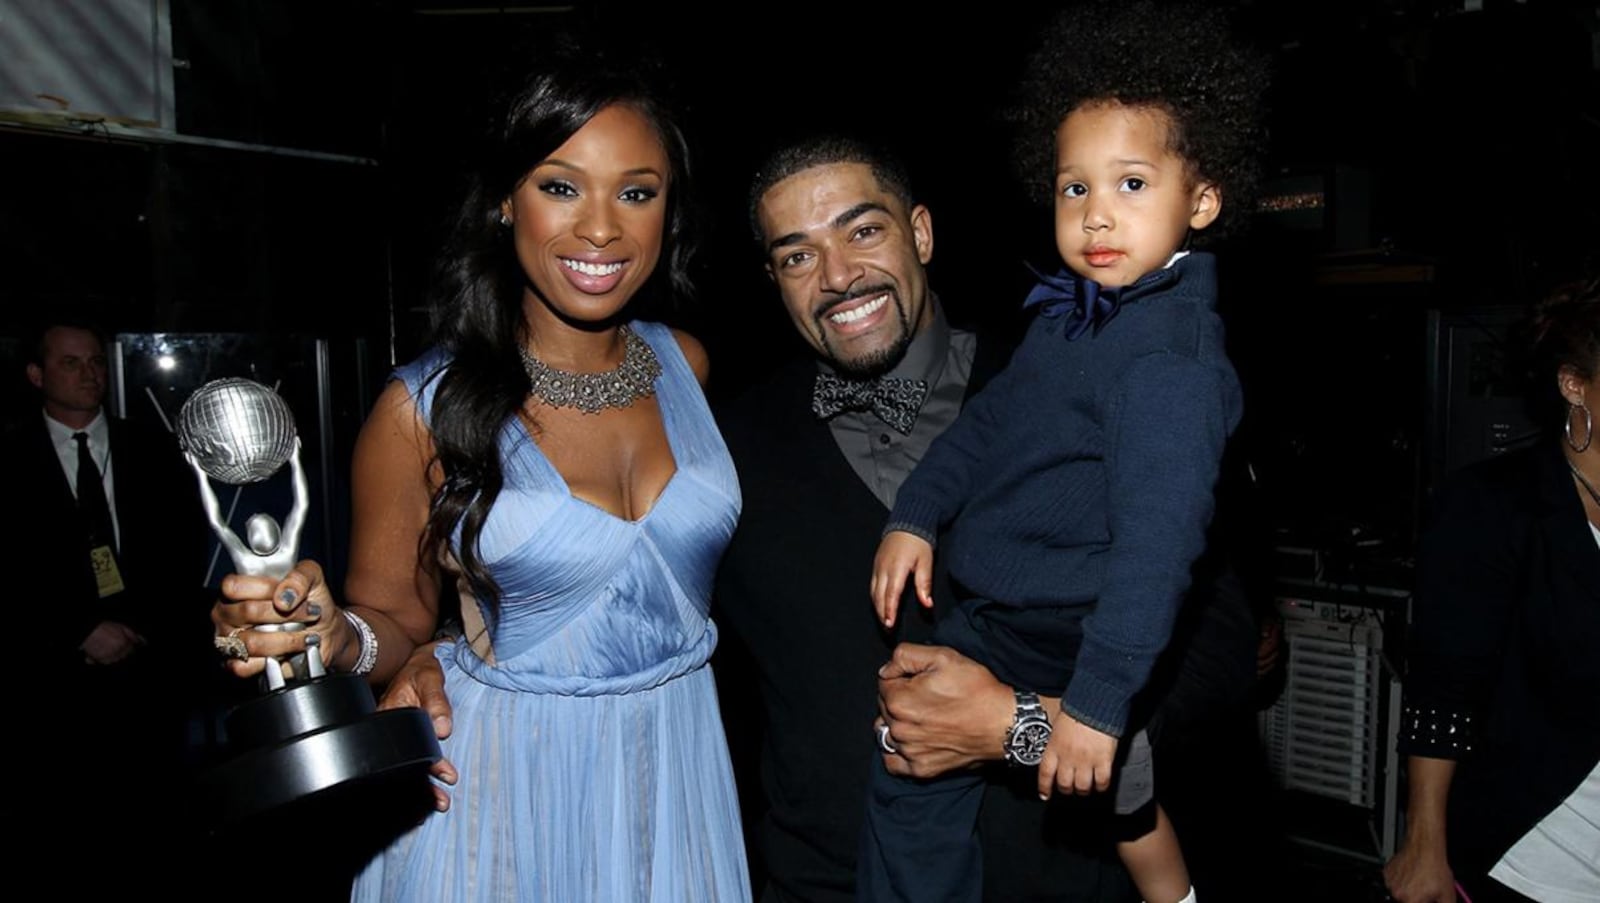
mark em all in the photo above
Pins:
pixel 232 645
pixel 884 742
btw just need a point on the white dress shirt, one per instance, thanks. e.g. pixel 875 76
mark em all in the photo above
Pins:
pixel 99 449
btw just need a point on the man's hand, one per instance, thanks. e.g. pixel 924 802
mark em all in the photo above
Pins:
pixel 944 711
pixel 420 683
pixel 1078 759
pixel 901 555
pixel 110 642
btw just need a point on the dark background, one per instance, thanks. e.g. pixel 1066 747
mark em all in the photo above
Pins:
pixel 1455 145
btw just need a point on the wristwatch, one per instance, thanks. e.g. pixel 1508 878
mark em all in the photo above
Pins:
pixel 1030 731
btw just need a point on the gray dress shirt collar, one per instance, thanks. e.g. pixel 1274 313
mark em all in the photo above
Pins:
pixel 881 457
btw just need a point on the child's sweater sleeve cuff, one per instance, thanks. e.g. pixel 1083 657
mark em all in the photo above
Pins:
pixel 1100 705
pixel 916 516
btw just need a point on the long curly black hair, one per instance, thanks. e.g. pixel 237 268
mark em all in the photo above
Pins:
pixel 476 306
pixel 1182 57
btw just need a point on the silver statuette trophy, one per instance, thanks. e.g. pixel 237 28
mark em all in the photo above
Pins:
pixel 311 730
pixel 240 432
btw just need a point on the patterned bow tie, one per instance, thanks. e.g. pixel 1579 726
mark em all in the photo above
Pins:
pixel 1091 304
pixel 895 401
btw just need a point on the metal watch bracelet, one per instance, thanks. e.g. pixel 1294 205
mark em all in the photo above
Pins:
pixel 1030 731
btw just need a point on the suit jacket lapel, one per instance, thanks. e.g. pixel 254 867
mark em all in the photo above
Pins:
pixel 49 466
pixel 119 454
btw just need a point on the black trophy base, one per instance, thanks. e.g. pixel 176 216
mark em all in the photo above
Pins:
pixel 313 740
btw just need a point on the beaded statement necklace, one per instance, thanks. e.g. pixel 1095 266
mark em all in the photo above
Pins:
pixel 591 393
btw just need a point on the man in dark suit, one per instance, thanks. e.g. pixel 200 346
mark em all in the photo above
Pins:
pixel 847 246
pixel 821 448
pixel 109 561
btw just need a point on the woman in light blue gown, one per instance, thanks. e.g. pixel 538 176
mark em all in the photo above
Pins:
pixel 555 457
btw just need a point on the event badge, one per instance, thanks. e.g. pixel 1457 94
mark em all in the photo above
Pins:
pixel 106 575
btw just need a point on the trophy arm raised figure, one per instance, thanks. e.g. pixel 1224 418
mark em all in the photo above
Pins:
pixel 271 552
pixel 232 423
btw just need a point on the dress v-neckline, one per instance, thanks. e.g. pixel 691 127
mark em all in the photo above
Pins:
pixel 667 425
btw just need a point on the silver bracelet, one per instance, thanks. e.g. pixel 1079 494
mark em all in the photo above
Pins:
pixel 368 659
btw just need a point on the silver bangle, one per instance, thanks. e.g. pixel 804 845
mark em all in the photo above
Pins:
pixel 368 659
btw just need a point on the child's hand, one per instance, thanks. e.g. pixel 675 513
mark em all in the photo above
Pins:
pixel 1077 759
pixel 898 555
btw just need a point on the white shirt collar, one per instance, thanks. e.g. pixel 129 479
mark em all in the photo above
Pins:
pixel 98 429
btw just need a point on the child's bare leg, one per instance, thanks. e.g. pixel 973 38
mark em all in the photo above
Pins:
pixel 1156 863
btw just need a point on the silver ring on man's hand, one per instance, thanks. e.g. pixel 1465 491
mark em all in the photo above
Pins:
pixel 883 740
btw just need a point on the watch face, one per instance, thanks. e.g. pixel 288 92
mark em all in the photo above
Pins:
pixel 1028 742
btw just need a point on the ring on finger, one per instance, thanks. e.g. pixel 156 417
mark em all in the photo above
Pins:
pixel 232 645
pixel 884 743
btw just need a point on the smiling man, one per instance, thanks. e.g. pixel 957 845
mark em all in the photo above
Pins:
pixel 822 447
pixel 851 269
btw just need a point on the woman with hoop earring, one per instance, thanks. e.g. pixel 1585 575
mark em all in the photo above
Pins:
pixel 1501 725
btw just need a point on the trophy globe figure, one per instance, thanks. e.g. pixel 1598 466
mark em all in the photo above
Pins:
pixel 238 431
pixel 312 730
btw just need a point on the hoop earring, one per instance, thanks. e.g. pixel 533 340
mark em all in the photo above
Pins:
pixel 1588 427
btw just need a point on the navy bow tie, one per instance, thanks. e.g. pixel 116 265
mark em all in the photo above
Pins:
pixel 895 401
pixel 1091 304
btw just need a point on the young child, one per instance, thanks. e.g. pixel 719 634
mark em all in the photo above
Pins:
pixel 1075 491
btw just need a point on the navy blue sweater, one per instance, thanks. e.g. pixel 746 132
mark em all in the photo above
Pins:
pixel 1082 476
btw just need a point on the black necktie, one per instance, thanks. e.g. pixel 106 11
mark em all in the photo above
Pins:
pixel 895 401
pixel 92 497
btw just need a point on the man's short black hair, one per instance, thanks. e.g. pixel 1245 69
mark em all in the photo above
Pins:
pixel 825 150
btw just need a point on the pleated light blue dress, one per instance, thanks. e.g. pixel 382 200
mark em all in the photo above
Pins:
pixel 592 761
